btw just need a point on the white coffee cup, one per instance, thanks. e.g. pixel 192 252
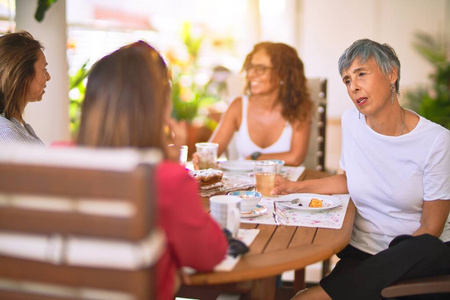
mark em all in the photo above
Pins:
pixel 226 210
pixel 183 155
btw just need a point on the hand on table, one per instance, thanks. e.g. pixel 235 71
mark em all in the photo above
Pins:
pixel 283 186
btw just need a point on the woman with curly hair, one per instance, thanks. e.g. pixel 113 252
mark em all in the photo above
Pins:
pixel 272 119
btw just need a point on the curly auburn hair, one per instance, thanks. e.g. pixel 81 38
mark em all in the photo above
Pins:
pixel 288 67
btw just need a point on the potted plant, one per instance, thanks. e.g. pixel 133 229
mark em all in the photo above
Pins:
pixel 190 89
pixel 433 101
pixel 77 88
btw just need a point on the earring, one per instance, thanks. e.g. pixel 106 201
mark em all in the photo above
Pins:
pixel 359 117
pixel 392 92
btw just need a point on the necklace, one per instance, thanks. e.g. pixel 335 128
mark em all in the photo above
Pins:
pixel 403 122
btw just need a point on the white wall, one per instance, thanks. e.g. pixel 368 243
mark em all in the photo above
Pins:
pixel 50 117
pixel 329 27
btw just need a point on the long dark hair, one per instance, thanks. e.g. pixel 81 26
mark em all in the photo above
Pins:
pixel 126 95
pixel 18 54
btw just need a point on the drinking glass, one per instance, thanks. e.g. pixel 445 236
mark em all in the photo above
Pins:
pixel 265 171
pixel 207 155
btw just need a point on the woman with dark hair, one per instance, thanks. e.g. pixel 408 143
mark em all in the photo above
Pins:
pixel 273 119
pixel 127 104
pixel 397 172
pixel 23 78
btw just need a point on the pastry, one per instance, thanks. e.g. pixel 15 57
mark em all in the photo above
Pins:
pixel 207 177
pixel 315 203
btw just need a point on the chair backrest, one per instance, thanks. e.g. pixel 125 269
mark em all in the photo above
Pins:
pixel 315 158
pixel 78 223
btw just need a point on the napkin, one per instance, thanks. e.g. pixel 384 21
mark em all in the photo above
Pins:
pixel 229 262
pixel 245 235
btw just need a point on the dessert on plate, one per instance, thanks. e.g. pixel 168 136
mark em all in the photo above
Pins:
pixel 208 178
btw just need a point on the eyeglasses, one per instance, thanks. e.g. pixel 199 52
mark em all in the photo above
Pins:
pixel 258 69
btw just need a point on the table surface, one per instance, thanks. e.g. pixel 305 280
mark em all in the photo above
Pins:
pixel 277 249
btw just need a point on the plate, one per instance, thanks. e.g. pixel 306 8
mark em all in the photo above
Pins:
pixel 237 165
pixel 329 202
pixel 258 211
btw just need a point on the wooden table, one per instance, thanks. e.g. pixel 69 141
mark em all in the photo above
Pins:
pixel 277 249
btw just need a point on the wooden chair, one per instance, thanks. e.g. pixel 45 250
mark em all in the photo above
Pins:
pixel 78 224
pixel 316 149
pixel 428 285
pixel 315 158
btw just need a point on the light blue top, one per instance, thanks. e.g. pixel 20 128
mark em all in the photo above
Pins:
pixel 12 131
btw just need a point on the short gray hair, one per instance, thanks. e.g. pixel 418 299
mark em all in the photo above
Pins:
pixel 364 49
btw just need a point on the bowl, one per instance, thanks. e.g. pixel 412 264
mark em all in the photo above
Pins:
pixel 280 165
pixel 249 199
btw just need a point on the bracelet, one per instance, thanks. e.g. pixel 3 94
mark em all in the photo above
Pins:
pixel 255 155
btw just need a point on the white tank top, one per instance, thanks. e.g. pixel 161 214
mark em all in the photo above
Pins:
pixel 245 146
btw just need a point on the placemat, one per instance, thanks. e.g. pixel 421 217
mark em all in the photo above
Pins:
pixel 329 218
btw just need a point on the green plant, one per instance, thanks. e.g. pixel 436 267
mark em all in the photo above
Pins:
pixel 77 88
pixel 43 6
pixel 433 102
pixel 190 83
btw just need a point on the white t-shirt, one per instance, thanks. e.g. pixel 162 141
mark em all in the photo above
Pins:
pixel 389 177
pixel 244 144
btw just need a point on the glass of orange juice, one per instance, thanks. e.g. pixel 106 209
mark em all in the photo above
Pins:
pixel 265 171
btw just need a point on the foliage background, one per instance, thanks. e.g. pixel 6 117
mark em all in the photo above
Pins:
pixel 433 101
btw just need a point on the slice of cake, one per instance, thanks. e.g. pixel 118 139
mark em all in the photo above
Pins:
pixel 315 202
pixel 208 179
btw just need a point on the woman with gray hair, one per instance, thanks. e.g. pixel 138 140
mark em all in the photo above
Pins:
pixel 23 78
pixel 397 171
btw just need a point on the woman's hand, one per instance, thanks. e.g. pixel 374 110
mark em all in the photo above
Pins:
pixel 175 138
pixel 195 160
pixel 284 186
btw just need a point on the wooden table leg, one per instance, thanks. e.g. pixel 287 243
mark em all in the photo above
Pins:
pixel 299 280
pixel 260 289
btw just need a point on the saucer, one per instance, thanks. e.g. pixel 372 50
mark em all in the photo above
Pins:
pixel 258 211
pixel 237 165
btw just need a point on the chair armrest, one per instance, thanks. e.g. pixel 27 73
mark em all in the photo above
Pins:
pixel 427 285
